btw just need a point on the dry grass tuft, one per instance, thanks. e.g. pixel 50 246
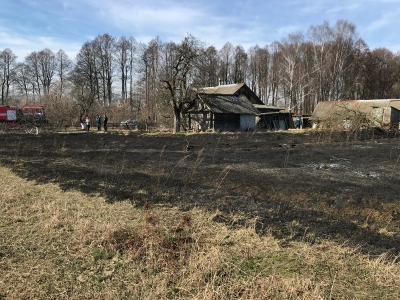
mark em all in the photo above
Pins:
pixel 123 240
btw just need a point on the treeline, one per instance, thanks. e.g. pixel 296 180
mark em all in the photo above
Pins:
pixel 153 81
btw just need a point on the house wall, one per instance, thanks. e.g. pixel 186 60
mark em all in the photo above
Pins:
pixel 199 121
pixel 221 122
pixel 247 122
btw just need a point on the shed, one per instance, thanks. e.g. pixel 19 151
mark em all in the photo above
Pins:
pixel 379 113
pixel 274 118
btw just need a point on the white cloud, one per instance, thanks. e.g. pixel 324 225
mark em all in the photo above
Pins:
pixel 388 18
pixel 349 6
pixel 312 8
pixel 23 45
pixel 171 18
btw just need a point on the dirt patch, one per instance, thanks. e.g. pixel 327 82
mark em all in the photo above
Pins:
pixel 304 186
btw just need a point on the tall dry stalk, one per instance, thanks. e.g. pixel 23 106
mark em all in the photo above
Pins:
pixel 286 161
pixel 197 163
pixel 161 171
pixel 221 177
pixel 215 148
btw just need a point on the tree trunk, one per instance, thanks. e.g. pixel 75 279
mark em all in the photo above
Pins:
pixel 177 120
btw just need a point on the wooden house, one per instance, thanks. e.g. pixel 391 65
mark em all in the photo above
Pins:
pixel 225 108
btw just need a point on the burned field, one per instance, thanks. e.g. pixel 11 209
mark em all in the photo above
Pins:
pixel 303 186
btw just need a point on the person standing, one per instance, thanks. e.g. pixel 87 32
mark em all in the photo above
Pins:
pixel 87 121
pixel 298 123
pixel 105 122
pixel 98 122
pixel 83 124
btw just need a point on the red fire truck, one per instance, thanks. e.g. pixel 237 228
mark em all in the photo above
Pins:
pixel 8 114
pixel 29 116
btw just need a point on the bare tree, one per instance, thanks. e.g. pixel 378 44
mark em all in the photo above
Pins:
pixel 48 67
pixel 64 67
pixel 179 68
pixel 382 73
pixel 225 62
pixel 240 65
pixel 149 69
pixel 333 52
pixel 32 62
pixel 274 74
pixel 22 79
pixel 7 66
pixel 395 91
pixel 345 39
pixel 42 66
pixel 85 78
pixel 132 58
pixel 104 46
pixel 208 68
pixel 84 90
pixel 125 51
pixel 291 64
pixel 259 71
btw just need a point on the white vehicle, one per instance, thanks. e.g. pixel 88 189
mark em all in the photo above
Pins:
pixel 131 123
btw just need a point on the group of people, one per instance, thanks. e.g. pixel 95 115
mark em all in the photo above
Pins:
pixel 98 122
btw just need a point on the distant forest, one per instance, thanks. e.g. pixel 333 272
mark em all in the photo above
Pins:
pixel 155 79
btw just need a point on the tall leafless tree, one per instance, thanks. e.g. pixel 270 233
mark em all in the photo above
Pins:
pixel 240 65
pixel 208 68
pixel 85 78
pixel 64 67
pixel 225 63
pixel 125 52
pixel 32 62
pixel 180 64
pixel 274 74
pixel 291 68
pixel 22 79
pixel 104 46
pixel 150 68
pixel 7 66
pixel 259 70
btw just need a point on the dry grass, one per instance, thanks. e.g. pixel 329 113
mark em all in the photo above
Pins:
pixel 68 245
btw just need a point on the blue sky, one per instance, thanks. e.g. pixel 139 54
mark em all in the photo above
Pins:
pixel 32 25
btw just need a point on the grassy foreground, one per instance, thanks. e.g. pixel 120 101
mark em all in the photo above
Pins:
pixel 69 245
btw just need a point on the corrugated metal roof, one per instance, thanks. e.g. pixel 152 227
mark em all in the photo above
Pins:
pixel 229 89
pixel 229 104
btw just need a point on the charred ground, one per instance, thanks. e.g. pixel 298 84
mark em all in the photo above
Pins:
pixel 304 186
